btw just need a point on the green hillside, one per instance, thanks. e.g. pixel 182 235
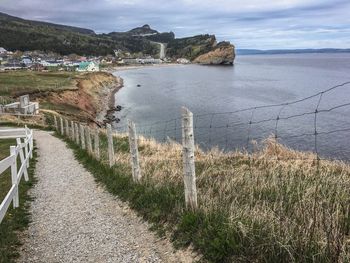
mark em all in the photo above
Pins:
pixel 27 35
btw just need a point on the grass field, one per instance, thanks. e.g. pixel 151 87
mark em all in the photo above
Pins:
pixel 16 83
pixel 252 207
pixel 16 220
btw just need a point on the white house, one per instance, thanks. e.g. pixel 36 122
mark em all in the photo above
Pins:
pixel 49 63
pixel 88 66
pixel 27 61
pixel 2 50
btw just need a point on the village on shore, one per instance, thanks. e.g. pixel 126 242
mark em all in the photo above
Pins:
pixel 50 61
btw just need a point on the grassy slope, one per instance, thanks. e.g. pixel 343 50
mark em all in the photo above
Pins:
pixel 253 208
pixel 67 93
pixel 15 220
pixel 37 84
pixel 23 82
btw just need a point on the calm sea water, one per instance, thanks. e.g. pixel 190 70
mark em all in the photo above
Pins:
pixel 155 94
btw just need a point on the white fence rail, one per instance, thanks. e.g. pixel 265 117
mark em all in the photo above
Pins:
pixel 23 149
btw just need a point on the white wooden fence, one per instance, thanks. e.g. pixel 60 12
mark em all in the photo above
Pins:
pixel 25 151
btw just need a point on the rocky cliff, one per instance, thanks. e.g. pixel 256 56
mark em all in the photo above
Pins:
pixel 222 54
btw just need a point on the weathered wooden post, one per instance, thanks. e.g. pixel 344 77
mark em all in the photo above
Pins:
pixel 14 176
pixel 61 124
pixel 88 139
pixel 97 144
pixel 188 159
pixel 134 152
pixel 82 136
pixel 72 132
pixel 76 133
pixel 67 127
pixel 110 145
pixel 55 122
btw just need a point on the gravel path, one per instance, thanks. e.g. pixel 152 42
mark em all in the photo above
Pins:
pixel 75 220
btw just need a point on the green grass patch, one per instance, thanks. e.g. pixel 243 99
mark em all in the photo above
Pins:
pixel 15 83
pixel 16 220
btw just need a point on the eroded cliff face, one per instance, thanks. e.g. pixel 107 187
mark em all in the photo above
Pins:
pixel 92 96
pixel 223 54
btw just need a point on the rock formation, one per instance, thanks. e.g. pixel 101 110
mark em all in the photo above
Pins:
pixel 223 54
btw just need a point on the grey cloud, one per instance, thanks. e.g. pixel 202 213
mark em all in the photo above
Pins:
pixel 302 24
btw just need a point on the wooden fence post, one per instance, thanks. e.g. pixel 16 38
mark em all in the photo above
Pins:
pixel 134 152
pixel 21 155
pixel 82 137
pixel 76 133
pixel 26 148
pixel 110 145
pixel 188 159
pixel 72 132
pixel 29 133
pixel 55 121
pixel 67 127
pixel 88 140
pixel 14 176
pixel 97 144
pixel 61 124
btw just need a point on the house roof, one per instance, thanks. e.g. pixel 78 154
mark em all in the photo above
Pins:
pixel 84 65
pixel 2 50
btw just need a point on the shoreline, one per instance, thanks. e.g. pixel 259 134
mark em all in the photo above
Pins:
pixel 107 115
pixel 128 67
pixel 103 116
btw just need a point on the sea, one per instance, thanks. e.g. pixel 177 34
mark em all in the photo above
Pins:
pixel 299 100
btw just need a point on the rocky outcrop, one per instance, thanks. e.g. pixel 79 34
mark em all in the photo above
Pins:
pixel 223 54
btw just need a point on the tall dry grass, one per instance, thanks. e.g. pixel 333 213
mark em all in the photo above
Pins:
pixel 284 205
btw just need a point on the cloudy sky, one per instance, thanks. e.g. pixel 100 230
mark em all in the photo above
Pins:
pixel 273 24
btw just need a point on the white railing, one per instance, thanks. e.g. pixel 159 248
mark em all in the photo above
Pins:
pixel 25 151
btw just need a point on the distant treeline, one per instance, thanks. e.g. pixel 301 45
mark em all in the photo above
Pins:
pixel 27 35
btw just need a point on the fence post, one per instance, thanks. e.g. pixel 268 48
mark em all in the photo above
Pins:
pixel 14 176
pixel 188 159
pixel 29 133
pixel 82 137
pixel 61 124
pixel 110 145
pixel 72 132
pixel 88 139
pixel 67 127
pixel 55 121
pixel 26 148
pixel 97 144
pixel 21 155
pixel 76 133
pixel 134 152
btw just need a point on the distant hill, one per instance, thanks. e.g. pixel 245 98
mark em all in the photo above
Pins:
pixel 20 34
pixel 144 30
pixel 289 51
pixel 7 19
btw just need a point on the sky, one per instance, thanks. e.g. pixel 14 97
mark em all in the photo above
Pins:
pixel 252 24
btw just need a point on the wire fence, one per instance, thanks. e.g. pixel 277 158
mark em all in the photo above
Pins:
pixel 316 123
pixel 218 162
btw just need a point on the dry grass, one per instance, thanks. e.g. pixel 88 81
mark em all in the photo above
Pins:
pixel 283 201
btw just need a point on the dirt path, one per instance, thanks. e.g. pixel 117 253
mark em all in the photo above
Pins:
pixel 75 220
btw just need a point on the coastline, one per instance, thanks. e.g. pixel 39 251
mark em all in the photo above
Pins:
pixel 139 66
pixel 107 114
pixel 108 96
